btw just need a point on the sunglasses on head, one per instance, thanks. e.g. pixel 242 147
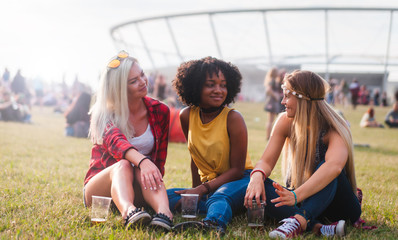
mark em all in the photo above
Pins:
pixel 115 63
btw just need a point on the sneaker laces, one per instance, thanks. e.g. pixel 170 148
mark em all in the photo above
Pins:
pixel 328 230
pixel 290 226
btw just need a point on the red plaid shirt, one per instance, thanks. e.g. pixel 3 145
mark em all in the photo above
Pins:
pixel 115 144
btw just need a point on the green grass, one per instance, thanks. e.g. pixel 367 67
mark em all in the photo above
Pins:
pixel 42 176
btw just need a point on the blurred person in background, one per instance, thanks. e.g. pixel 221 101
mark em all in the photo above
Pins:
pixel 364 95
pixel 13 108
pixel 151 82
pixel 129 131
pixel 344 92
pixel 6 79
pixel 396 96
pixel 317 164
pixel 332 91
pixel 20 88
pixel 354 90
pixel 77 117
pixel 376 97
pixel 273 96
pixel 369 119
pixel 391 118
pixel 384 102
pixel 160 89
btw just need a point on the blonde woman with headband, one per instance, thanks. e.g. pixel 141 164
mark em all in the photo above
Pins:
pixel 318 164
pixel 129 131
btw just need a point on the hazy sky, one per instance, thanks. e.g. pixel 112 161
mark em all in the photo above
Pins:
pixel 56 38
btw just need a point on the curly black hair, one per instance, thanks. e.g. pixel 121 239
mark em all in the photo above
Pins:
pixel 191 77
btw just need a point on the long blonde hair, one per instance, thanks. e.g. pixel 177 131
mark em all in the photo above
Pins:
pixel 313 114
pixel 111 105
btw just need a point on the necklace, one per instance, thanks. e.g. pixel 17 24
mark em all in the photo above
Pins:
pixel 208 114
pixel 211 109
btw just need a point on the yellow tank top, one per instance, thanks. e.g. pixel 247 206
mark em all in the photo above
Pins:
pixel 209 144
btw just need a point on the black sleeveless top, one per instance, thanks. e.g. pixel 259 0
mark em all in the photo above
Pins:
pixel 320 153
pixel 321 149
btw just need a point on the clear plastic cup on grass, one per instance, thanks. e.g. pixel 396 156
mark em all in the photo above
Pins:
pixel 100 209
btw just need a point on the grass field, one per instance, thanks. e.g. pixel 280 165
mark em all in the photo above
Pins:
pixel 42 175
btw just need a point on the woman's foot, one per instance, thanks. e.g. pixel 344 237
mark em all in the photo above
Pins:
pixel 289 229
pixel 161 221
pixel 137 217
pixel 334 229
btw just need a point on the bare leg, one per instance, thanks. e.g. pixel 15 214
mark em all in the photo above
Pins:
pixel 316 228
pixel 156 199
pixel 302 221
pixel 115 181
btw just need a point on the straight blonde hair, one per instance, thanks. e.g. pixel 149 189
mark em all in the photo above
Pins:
pixel 111 102
pixel 313 115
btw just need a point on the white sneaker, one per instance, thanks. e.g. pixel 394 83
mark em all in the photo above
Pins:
pixel 334 229
pixel 289 229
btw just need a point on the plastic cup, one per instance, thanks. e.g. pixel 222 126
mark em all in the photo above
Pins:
pixel 100 209
pixel 255 215
pixel 189 204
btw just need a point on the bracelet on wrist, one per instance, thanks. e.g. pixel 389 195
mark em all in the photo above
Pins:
pixel 207 186
pixel 295 198
pixel 142 161
pixel 259 170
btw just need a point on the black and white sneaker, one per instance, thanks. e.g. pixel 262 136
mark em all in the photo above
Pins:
pixel 137 217
pixel 161 221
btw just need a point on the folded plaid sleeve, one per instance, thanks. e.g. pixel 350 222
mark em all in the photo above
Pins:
pixel 115 142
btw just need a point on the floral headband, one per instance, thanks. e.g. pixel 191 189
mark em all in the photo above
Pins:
pixel 299 95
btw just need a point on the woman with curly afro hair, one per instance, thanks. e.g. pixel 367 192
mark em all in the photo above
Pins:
pixel 217 141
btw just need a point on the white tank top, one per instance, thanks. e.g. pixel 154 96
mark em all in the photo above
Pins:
pixel 144 143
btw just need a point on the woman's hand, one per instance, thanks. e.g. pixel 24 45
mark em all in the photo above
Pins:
pixel 151 177
pixel 255 190
pixel 286 197
pixel 201 190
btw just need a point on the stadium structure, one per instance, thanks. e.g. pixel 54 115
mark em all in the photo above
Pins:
pixel 338 43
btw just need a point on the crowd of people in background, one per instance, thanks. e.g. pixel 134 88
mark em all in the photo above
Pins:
pixel 341 93
pixel 15 98
pixel 18 94
pixel 359 94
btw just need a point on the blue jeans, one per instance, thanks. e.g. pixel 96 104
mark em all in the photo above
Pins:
pixel 219 205
pixel 335 202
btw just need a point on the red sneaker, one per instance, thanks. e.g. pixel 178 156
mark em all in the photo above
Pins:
pixel 289 229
